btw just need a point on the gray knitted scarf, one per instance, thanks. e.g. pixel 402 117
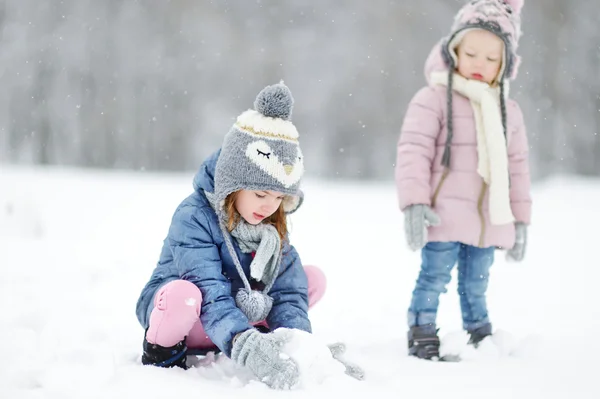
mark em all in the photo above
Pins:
pixel 263 239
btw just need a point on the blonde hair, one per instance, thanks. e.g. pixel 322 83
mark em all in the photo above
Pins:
pixel 278 219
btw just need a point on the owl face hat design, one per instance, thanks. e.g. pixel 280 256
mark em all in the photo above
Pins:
pixel 261 151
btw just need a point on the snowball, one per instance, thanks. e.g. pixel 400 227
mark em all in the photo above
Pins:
pixel 313 357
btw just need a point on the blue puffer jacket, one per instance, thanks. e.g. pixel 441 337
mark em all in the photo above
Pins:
pixel 194 250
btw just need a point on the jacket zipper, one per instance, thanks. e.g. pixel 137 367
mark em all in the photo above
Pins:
pixel 439 186
pixel 479 203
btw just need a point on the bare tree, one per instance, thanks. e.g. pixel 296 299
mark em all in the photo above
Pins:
pixel 155 85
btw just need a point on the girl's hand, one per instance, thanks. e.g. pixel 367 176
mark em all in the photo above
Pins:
pixel 417 218
pixel 261 353
pixel 517 252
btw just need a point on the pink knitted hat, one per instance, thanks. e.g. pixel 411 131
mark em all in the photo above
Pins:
pixel 501 17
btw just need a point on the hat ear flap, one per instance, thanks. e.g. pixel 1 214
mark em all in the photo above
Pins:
pixel 291 203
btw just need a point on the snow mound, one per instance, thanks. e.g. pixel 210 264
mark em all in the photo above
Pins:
pixel 312 355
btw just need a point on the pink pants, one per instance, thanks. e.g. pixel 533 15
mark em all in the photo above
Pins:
pixel 176 312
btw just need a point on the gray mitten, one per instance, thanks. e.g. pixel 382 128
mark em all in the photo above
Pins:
pixel 416 220
pixel 517 252
pixel 261 354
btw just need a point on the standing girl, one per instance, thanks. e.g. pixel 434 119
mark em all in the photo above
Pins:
pixel 462 169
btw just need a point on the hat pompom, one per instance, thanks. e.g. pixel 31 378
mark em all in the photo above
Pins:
pixel 516 5
pixel 275 101
pixel 255 305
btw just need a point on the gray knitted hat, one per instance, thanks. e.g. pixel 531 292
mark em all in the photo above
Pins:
pixel 261 150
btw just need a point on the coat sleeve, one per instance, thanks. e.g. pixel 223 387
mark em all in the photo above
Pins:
pixel 518 165
pixel 290 294
pixel 416 148
pixel 198 261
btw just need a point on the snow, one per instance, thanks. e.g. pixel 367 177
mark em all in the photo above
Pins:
pixel 314 359
pixel 76 247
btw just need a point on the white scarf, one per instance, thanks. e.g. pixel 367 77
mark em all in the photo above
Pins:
pixel 491 143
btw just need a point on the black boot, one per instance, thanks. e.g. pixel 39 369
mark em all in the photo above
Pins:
pixel 479 334
pixel 173 356
pixel 423 342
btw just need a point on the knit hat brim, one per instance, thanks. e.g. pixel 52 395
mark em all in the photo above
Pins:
pixel 255 123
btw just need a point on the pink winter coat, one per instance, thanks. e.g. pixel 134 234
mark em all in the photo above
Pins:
pixel 462 197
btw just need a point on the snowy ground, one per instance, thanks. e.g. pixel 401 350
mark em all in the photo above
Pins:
pixel 77 246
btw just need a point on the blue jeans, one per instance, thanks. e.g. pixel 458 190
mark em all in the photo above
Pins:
pixel 473 274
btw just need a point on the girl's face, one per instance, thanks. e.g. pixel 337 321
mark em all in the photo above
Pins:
pixel 480 55
pixel 256 206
